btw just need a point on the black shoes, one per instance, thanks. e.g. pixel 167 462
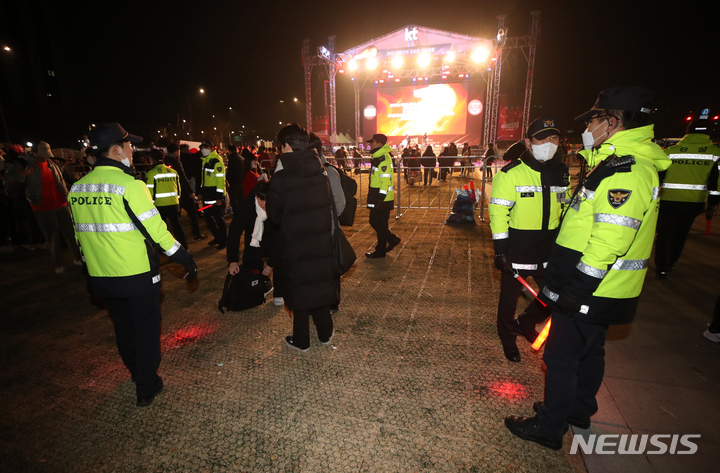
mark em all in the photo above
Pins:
pixel 528 332
pixel 374 254
pixel 661 275
pixel 577 420
pixel 528 428
pixel 221 246
pixel 393 244
pixel 214 241
pixel 512 353
pixel 291 344
pixel 146 401
pixel 199 237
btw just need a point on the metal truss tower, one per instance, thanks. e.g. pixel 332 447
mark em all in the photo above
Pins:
pixel 495 104
pixel 532 40
pixel 332 72
pixel 307 62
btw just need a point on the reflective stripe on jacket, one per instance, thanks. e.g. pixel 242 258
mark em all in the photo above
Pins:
pixel 694 172
pixel 164 185
pixel 213 178
pixel 381 191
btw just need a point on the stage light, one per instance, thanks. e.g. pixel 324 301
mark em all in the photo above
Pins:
pixel 444 77
pixel 371 63
pixel 424 59
pixel 352 65
pixel 450 57
pixel 397 62
pixel 689 118
pixel 397 80
pixel 480 55
pixel 414 79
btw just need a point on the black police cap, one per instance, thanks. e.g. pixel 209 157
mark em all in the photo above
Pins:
pixel 628 99
pixel 541 128
pixel 109 133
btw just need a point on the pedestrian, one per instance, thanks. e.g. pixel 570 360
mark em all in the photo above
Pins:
pixel 299 203
pixel 118 229
pixel 341 156
pixel 173 159
pixel 490 158
pixel 713 331
pixel 164 185
pixel 381 195
pixel 527 200
pixel 598 263
pixel 212 190
pixel 428 162
pixel 46 191
pixel 689 187
pixel 235 178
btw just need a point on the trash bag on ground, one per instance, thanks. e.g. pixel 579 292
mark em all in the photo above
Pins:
pixel 463 210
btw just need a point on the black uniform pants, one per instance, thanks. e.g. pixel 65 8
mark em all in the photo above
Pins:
pixel 575 361
pixel 379 222
pixel 190 207
pixel 674 222
pixel 215 222
pixel 715 325
pixel 137 330
pixel 301 328
pixel 534 313
pixel 172 213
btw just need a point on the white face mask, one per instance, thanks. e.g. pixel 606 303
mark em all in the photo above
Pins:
pixel 205 152
pixel 544 151
pixel 588 139
pixel 125 159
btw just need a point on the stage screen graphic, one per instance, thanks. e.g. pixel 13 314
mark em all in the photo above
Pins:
pixel 435 109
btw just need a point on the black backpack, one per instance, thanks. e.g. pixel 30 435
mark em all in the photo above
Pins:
pixel 245 290
pixel 349 187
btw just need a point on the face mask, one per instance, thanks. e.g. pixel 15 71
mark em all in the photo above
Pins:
pixel 544 151
pixel 91 160
pixel 205 152
pixel 124 159
pixel 588 139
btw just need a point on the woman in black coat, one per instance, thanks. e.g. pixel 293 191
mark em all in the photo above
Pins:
pixel 299 203
pixel 245 221
pixel 428 162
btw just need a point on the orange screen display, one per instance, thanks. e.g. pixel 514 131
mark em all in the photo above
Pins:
pixel 435 109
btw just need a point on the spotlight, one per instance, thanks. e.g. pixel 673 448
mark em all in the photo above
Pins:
pixel 371 63
pixel 424 59
pixel 352 65
pixel 397 62
pixel 480 55
pixel 450 57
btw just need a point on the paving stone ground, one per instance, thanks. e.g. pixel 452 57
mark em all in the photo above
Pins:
pixel 415 379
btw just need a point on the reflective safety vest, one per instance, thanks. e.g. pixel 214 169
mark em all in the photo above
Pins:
pixel 694 172
pixel 115 222
pixel 606 237
pixel 525 207
pixel 381 191
pixel 213 178
pixel 164 185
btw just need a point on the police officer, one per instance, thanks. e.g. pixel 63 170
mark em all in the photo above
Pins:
pixel 212 189
pixel 164 185
pixel 598 263
pixel 117 228
pixel 381 195
pixel 688 184
pixel 525 206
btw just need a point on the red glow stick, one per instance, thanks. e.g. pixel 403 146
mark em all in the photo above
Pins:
pixel 529 288
pixel 542 337
pixel 708 224
pixel 206 207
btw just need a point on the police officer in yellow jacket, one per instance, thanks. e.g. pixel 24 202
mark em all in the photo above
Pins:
pixel 527 198
pixel 212 189
pixel 597 266
pixel 117 228
pixel 164 185
pixel 381 195
pixel 687 185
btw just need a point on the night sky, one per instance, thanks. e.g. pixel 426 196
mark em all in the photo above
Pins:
pixel 142 63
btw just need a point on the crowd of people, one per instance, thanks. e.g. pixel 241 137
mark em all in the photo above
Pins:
pixel 587 247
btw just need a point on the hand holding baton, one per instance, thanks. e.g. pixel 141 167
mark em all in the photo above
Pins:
pixel 546 329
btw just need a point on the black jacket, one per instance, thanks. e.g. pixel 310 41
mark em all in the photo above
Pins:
pixel 175 163
pixel 244 221
pixel 299 202
pixel 235 173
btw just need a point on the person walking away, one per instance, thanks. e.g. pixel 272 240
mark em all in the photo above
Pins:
pixel 173 159
pixel 428 162
pixel 46 191
pixel 381 195
pixel 118 229
pixel 235 178
pixel 299 203
pixel 527 200
pixel 212 190
pixel 598 263
pixel 164 185
pixel 689 187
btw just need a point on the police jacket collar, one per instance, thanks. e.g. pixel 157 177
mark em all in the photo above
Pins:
pixel 549 165
pixel 113 163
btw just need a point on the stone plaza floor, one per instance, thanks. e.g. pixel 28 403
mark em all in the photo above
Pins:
pixel 415 379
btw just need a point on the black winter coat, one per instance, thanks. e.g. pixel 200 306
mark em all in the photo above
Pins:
pixel 299 202
pixel 244 222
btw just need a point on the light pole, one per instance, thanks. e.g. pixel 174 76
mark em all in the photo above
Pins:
pixel 283 110
pixel 2 113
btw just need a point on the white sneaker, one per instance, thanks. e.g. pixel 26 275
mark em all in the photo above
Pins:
pixel 279 301
pixel 713 337
pixel 329 340
pixel 60 270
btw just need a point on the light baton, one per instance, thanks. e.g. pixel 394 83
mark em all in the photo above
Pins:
pixel 206 207
pixel 543 335
pixel 529 288
pixel 708 225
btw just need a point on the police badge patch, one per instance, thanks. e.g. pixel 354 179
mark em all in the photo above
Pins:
pixel 617 197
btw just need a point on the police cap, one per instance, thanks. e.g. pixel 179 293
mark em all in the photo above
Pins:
pixel 542 127
pixel 628 99
pixel 109 133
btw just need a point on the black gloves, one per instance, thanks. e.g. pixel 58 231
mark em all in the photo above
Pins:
pixel 570 300
pixel 183 257
pixel 191 272
pixel 502 262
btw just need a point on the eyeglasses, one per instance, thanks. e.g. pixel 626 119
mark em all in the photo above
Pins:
pixel 590 120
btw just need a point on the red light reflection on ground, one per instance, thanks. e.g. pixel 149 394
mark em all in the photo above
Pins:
pixel 186 335
pixel 510 390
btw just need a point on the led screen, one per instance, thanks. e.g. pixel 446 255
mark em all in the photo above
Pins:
pixel 435 109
